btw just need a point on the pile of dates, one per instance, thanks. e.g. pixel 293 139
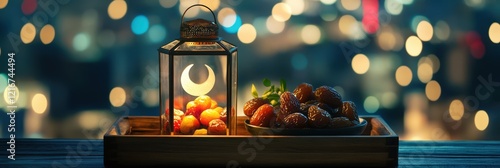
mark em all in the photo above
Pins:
pixel 306 107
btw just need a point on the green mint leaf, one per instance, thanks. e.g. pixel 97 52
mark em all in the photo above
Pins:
pixel 273 96
pixel 266 82
pixel 255 94
pixel 282 85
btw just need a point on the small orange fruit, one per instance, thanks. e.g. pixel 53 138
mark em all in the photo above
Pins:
pixel 189 124
pixel 203 102
pixel 208 115
pixel 213 104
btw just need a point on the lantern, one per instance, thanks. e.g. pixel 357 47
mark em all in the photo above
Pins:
pixel 198 75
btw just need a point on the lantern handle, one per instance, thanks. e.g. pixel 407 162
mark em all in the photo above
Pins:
pixel 182 19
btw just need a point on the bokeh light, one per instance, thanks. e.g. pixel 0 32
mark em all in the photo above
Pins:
pixel 168 3
pixel 413 46
pixel 274 26
pixel 481 120
pixel 212 4
pixel 140 25
pixel 435 62
pixel 81 41
pixel 235 27
pixel 456 109
pixel 3 81
pixel 7 94
pixel 226 17
pixel 346 24
pixel 371 104
pixel 247 33
pixel 117 9
pixel 299 62
pixel 389 100
pixel 494 32
pixel 297 6
pixel 478 4
pixel 425 30
pixel 386 40
pixel 360 63
pixel 416 20
pixel 157 33
pixel 39 103
pixel 311 34
pixel 117 96
pixel 406 2
pixel 350 4
pixel 150 97
pixel 370 20
pixel 442 30
pixel 260 26
pixel 329 15
pixel 28 33
pixel 192 12
pixel 328 2
pixel 403 75
pixel 433 90
pixel 424 72
pixel 3 3
pixel 393 7
pixel 29 6
pixel 414 120
pixel 281 12
pixel 47 34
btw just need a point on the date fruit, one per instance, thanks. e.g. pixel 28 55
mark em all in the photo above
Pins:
pixel 251 106
pixel 341 122
pixel 329 96
pixel 263 115
pixel 304 92
pixel 319 118
pixel 295 120
pixel 217 127
pixel 349 111
pixel 334 112
pixel 289 103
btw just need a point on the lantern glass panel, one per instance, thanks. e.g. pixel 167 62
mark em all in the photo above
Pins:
pixel 197 75
pixel 170 45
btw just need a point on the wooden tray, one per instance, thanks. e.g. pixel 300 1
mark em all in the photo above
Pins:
pixel 135 141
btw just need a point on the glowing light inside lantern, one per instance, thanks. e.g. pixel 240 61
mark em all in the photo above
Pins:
pixel 195 89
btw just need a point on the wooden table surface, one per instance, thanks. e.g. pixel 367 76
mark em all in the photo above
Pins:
pixel 89 153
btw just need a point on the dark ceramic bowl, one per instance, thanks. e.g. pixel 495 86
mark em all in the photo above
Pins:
pixel 353 130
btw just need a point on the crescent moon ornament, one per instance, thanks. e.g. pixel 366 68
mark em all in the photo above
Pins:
pixel 195 89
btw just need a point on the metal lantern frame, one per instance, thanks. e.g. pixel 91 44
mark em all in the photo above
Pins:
pixel 229 53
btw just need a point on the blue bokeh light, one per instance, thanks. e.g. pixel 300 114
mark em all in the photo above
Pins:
pixel 140 24
pixel 234 28
pixel 415 21
pixel 157 33
pixel 81 41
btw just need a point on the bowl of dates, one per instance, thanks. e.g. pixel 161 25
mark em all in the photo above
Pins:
pixel 304 111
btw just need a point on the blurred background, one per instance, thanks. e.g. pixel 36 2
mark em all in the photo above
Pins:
pixel 429 68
